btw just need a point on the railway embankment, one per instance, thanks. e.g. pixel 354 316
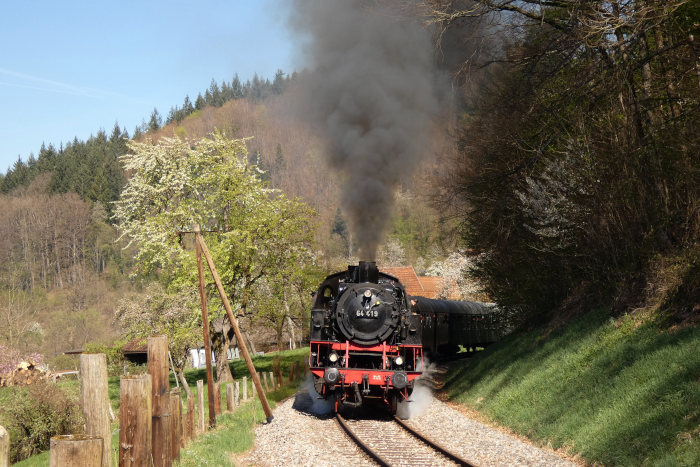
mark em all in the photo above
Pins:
pixel 613 391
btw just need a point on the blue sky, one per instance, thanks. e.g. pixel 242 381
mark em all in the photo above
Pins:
pixel 69 68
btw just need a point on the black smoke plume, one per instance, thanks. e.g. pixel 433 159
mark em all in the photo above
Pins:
pixel 372 91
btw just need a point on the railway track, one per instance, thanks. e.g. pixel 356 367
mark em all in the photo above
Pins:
pixel 391 442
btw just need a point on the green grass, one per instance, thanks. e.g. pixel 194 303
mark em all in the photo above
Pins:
pixel 234 432
pixel 616 392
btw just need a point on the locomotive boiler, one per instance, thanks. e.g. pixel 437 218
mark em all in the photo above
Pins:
pixel 365 342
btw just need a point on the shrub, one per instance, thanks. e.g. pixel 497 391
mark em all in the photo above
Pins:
pixel 35 414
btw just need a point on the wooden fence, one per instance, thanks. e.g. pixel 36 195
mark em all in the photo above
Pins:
pixel 153 425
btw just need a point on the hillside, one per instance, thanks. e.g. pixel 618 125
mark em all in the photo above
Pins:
pixel 622 391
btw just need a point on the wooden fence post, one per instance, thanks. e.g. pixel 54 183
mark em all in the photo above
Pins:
pixel 190 418
pixel 135 422
pixel 236 393
pixel 200 406
pixel 94 397
pixel 267 386
pixel 280 380
pixel 175 424
pixel 272 380
pixel 229 397
pixel 291 372
pixel 245 388
pixel 160 379
pixel 83 450
pixel 4 447
pixel 217 398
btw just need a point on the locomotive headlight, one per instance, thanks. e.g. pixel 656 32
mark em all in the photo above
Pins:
pixel 333 357
pixel 368 293
pixel 398 360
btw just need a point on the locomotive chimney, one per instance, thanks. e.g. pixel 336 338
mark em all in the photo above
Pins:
pixel 368 272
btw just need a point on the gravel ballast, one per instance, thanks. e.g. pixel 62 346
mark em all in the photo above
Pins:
pixel 298 437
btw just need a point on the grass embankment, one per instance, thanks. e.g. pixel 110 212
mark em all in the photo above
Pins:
pixel 234 431
pixel 617 392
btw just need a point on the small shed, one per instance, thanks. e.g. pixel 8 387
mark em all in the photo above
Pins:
pixel 136 350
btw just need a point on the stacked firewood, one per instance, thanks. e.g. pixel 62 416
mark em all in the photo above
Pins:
pixel 25 373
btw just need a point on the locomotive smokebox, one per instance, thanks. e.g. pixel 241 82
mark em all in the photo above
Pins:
pixel 367 272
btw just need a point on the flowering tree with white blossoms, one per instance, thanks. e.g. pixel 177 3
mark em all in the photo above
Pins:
pixel 251 230
pixel 456 275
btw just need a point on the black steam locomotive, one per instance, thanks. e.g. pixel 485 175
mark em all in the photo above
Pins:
pixel 368 337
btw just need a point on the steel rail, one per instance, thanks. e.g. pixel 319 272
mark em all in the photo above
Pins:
pixel 377 458
pixel 442 450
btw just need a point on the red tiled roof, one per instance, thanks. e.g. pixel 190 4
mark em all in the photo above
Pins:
pixel 432 285
pixel 136 345
pixel 408 278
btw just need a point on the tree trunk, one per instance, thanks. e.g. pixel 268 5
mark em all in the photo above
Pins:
pixel 183 380
pixel 290 324
pixel 220 344
pixel 250 342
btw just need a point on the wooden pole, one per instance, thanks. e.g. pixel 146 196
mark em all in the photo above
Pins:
pixel 160 390
pixel 236 330
pixel 94 397
pixel 200 406
pixel 135 422
pixel 83 450
pixel 229 397
pixel 205 327
pixel 245 388
pixel 175 424
pixel 4 447
pixel 236 393
pixel 190 419
pixel 272 380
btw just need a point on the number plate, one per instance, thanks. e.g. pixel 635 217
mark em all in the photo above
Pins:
pixel 373 314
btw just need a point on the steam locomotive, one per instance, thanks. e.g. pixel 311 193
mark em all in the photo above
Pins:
pixel 368 337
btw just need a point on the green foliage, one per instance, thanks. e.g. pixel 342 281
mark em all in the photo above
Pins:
pixel 157 312
pixel 255 234
pixel 89 168
pixel 624 392
pixel 36 413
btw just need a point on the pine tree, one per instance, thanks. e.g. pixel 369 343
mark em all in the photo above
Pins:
pixel 156 121
pixel 236 87
pixel 199 103
pixel 215 94
pixel 280 163
pixel 187 107
pixel 279 83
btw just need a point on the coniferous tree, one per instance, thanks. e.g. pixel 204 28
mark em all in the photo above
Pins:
pixel 215 94
pixel 236 87
pixel 280 163
pixel 279 83
pixel 187 106
pixel 155 121
pixel 199 103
